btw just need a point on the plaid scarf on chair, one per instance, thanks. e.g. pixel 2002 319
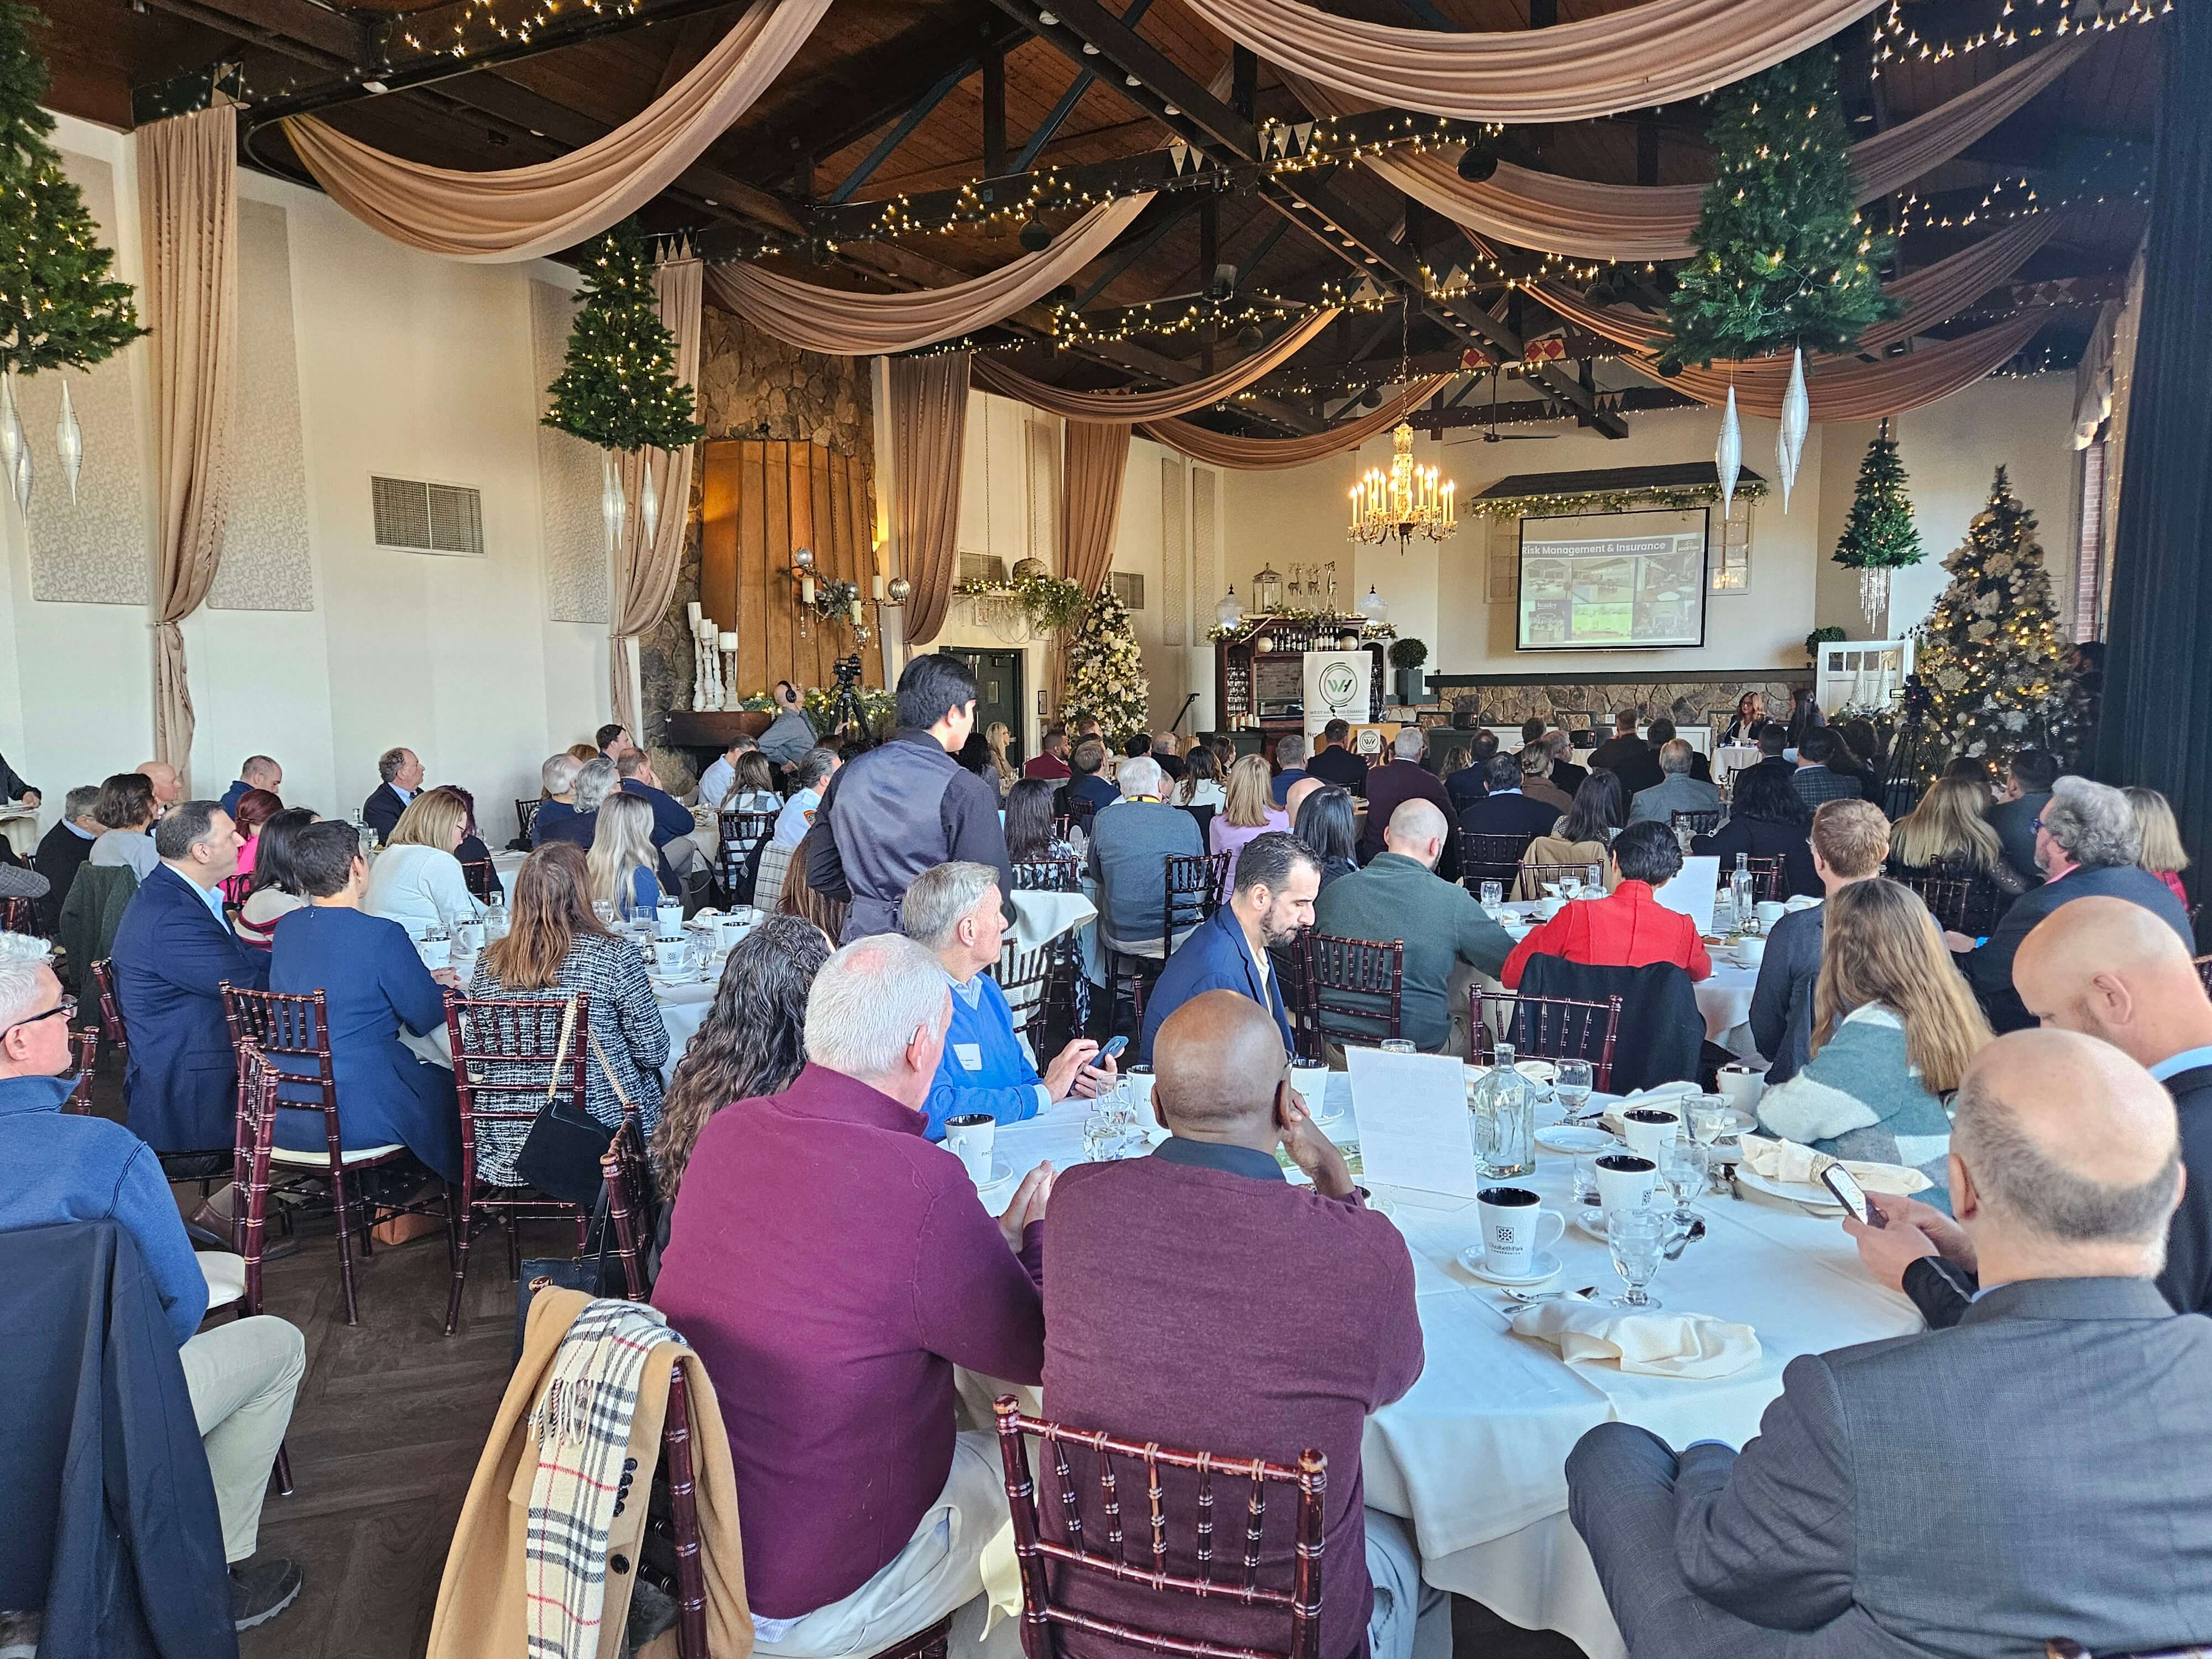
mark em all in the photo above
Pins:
pixel 582 1424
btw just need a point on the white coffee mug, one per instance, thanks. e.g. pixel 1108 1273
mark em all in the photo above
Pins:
pixel 1140 1080
pixel 969 1138
pixel 1623 1180
pixel 668 918
pixel 1741 1087
pixel 1649 1130
pixel 1515 1226
pixel 1310 1079
pixel 436 952
pixel 1771 911
pixel 1751 951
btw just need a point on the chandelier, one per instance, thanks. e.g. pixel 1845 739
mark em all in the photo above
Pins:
pixel 1409 501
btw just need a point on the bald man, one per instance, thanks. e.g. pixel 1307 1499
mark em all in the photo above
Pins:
pixel 1400 896
pixel 1179 1286
pixel 2108 969
pixel 2034 1471
pixel 168 787
pixel 1295 796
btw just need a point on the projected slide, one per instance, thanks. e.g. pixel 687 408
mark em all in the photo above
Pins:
pixel 1602 582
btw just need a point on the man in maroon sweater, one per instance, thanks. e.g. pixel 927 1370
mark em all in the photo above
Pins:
pixel 832 1266
pixel 1200 1300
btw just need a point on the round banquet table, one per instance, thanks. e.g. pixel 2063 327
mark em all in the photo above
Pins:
pixel 1474 1454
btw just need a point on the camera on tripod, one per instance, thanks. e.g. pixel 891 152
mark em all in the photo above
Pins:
pixel 846 670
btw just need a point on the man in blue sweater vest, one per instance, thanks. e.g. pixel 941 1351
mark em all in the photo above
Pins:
pixel 953 911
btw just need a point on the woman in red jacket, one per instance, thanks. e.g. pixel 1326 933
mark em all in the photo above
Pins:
pixel 1628 928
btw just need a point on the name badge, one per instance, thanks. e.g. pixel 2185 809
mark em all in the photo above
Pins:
pixel 970 1054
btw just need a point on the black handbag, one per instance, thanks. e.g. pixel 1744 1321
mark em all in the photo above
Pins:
pixel 559 1156
pixel 595 1273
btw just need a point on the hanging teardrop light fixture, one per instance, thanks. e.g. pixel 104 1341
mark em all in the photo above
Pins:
pixel 69 442
pixel 1728 454
pixel 611 504
pixel 1797 420
pixel 648 501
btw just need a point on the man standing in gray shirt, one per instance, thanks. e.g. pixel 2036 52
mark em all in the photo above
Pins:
pixel 1851 839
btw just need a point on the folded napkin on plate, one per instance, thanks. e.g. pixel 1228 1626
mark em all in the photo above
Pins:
pixel 1786 1160
pixel 1692 1346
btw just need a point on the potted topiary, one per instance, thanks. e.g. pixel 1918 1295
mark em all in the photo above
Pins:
pixel 1406 656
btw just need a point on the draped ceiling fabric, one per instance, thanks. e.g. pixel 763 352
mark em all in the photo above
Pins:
pixel 1845 389
pixel 645 573
pixel 1656 52
pixel 1934 294
pixel 1588 221
pixel 1268 454
pixel 1095 461
pixel 929 429
pixel 524 212
pixel 1128 406
pixel 841 323
pixel 188 208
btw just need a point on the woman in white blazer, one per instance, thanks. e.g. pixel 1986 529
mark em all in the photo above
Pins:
pixel 417 881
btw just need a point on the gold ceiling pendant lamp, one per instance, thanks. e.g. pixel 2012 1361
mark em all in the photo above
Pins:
pixel 1409 501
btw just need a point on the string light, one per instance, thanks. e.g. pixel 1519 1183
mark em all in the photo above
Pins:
pixel 1895 40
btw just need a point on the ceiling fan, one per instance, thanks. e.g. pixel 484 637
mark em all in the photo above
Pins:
pixel 1490 434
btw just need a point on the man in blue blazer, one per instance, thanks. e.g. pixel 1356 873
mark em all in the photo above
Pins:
pixel 172 952
pixel 401 770
pixel 1277 880
pixel 672 819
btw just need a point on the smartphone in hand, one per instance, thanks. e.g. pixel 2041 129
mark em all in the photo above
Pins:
pixel 1111 1050
pixel 1852 1197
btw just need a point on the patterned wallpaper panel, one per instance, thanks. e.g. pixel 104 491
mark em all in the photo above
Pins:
pixel 93 550
pixel 266 562
pixel 578 582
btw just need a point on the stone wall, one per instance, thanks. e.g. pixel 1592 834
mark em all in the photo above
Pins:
pixel 1592 702
pixel 752 386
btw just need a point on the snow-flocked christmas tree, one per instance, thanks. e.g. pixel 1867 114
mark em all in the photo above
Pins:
pixel 1989 654
pixel 1105 671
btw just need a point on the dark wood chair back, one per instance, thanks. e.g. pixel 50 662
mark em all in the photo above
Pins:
pixel 1143 1561
pixel 253 1140
pixel 1945 897
pixel 505 1051
pixel 1060 828
pixel 739 835
pixel 111 1005
pixel 1038 983
pixel 1490 857
pixel 526 818
pixel 85 1047
pixel 1045 876
pixel 1547 1028
pixel 2059 1648
pixel 1193 884
pixel 1700 822
pixel 479 875
pixel 1353 990
pixel 1528 879
pixel 1765 878
pixel 19 915
pixel 1204 817
pixel 632 1213
pixel 1079 814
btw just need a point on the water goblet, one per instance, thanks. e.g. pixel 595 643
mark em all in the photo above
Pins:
pixel 605 911
pixel 1683 1167
pixel 1710 1117
pixel 1102 1136
pixel 1570 887
pixel 1573 1084
pixel 1637 1239
pixel 1493 895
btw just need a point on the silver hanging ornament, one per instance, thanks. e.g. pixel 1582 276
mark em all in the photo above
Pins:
pixel 648 501
pixel 12 442
pixel 1728 454
pixel 23 479
pixel 611 505
pixel 69 442
pixel 1797 420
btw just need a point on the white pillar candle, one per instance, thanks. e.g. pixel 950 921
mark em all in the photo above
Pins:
pixel 729 642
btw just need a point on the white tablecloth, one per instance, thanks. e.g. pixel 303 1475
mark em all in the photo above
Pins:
pixel 1474 1454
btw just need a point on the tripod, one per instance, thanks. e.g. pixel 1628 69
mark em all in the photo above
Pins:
pixel 1907 754
pixel 845 708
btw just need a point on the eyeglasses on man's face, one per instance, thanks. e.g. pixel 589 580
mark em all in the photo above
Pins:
pixel 65 1007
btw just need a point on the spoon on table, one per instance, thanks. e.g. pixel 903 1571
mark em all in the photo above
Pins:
pixel 1549 1295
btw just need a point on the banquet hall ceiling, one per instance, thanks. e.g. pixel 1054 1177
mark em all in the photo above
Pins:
pixel 931 76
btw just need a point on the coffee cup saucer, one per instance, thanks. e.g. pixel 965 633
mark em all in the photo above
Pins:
pixel 1546 1266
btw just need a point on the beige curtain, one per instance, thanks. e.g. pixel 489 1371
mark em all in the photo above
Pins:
pixel 1128 406
pixel 840 323
pixel 1590 221
pixel 644 572
pixel 188 208
pixel 1267 454
pixel 929 429
pixel 1934 294
pixel 1095 462
pixel 1844 389
pixel 1653 53
pixel 524 212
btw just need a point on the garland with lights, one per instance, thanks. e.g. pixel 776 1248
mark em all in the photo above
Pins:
pixel 1605 501
pixel 1897 41
pixel 1783 256
pixel 1329 623
pixel 60 307
pixel 1051 603
pixel 1989 654
pixel 618 387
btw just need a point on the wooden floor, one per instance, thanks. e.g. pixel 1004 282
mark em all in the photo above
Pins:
pixel 391 1419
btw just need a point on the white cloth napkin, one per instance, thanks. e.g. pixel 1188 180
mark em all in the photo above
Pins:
pixel 1697 1347
pixel 1788 1161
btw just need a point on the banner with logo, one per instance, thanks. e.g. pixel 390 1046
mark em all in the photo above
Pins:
pixel 1340 686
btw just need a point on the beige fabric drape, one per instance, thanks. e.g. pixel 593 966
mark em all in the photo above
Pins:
pixel 1934 294
pixel 188 211
pixel 1095 462
pixel 645 573
pixel 1129 406
pixel 523 212
pixel 1590 221
pixel 929 429
pixel 1653 53
pixel 1844 389
pixel 1267 454
pixel 841 323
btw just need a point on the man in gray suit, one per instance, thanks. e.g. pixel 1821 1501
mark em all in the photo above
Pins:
pixel 1676 790
pixel 2028 1474
pixel 2028 778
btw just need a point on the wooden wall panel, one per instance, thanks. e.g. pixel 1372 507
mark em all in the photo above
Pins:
pixel 760 500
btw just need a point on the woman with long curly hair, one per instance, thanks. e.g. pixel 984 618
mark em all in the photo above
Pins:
pixel 752 1043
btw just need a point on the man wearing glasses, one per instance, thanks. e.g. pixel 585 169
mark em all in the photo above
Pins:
pixel 58 1168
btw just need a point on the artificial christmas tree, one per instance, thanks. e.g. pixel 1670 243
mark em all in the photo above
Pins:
pixel 1783 259
pixel 1879 537
pixel 1989 655
pixel 618 386
pixel 1105 671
